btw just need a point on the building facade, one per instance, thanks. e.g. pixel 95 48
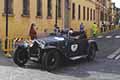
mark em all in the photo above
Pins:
pixel 85 12
pixel 118 17
pixel 115 14
pixel 22 13
pixel 103 8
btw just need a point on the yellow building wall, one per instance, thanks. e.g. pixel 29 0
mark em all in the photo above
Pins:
pixel 75 23
pixel 19 25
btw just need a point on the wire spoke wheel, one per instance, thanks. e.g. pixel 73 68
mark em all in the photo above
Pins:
pixel 20 57
pixel 50 60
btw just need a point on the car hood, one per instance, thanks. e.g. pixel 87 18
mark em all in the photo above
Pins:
pixel 51 39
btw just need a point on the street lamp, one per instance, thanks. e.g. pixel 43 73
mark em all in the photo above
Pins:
pixel 56 13
pixel 6 36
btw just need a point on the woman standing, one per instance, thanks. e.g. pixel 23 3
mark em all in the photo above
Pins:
pixel 33 32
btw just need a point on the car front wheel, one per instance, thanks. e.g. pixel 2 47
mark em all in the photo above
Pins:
pixel 50 60
pixel 20 57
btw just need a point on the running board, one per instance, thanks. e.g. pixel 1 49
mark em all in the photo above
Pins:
pixel 78 57
pixel 33 58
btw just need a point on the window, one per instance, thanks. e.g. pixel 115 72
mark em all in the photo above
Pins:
pixel 91 14
pixel 26 7
pixel 10 6
pixel 59 8
pixel 87 13
pixel 39 7
pixel 94 15
pixel 49 7
pixel 73 11
pixel 79 12
pixel 84 12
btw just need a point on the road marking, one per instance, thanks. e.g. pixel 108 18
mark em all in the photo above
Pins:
pixel 114 54
pixel 108 36
pixel 117 37
pixel 118 57
pixel 100 37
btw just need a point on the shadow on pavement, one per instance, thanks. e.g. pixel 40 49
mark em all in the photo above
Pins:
pixel 85 69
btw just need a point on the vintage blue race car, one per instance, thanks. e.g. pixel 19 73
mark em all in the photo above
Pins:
pixel 50 51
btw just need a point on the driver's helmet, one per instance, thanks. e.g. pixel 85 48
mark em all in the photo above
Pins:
pixel 71 31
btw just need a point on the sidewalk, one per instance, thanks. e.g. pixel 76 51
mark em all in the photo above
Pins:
pixel 4 61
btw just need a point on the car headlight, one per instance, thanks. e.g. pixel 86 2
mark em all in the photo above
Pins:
pixel 41 43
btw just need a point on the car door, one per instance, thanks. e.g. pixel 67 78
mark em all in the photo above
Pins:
pixel 72 48
pixel 83 46
pixel 77 47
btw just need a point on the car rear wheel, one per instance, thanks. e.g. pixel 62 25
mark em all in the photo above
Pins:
pixel 50 60
pixel 20 57
pixel 91 53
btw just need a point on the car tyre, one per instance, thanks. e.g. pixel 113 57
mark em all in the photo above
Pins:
pixel 91 53
pixel 50 60
pixel 20 57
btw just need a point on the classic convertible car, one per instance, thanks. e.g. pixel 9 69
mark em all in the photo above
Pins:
pixel 51 50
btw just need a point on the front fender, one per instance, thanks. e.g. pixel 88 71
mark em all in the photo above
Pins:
pixel 94 43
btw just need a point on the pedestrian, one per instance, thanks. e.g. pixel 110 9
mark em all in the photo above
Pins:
pixel 82 31
pixel 33 31
pixel 110 25
pixel 45 32
pixel 102 27
pixel 94 30
pixel 56 29
pixel 81 27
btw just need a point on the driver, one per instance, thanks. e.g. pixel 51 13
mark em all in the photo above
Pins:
pixel 71 30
